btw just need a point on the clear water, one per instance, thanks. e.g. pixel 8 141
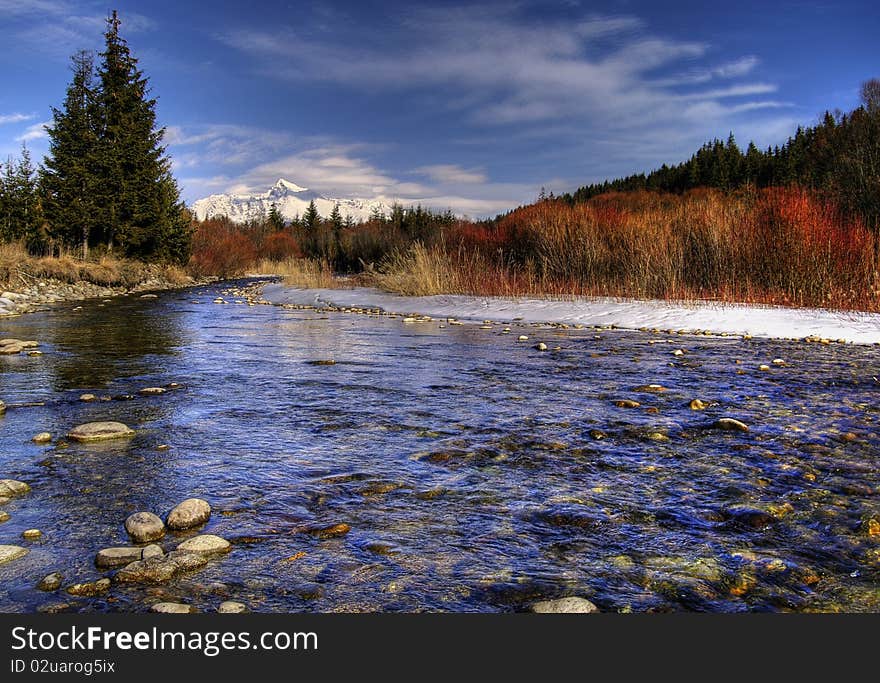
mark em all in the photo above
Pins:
pixel 462 460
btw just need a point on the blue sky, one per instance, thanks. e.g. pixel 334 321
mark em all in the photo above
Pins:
pixel 469 106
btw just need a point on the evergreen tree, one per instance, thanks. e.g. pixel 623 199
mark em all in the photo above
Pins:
pixel 141 211
pixel 311 218
pixel 276 220
pixel 21 218
pixel 69 179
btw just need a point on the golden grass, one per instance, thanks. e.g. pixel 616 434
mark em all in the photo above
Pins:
pixel 300 272
pixel 18 268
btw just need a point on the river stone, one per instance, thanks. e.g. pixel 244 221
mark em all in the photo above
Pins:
pixel 11 349
pixel 190 513
pixel 8 553
pixel 160 569
pixel 51 582
pixel 42 437
pixel 144 527
pixel 31 534
pixel 729 424
pixel 100 431
pixel 152 550
pixel 173 608
pixel 4 516
pixel 11 488
pixel 572 605
pixel 627 403
pixel 111 558
pixel 152 391
pixel 88 398
pixel 2 407
pixel 91 589
pixel 231 607
pixel 205 544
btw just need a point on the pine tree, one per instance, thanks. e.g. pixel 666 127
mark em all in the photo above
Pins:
pixel 141 209
pixel 21 218
pixel 68 180
pixel 276 220
pixel 311 218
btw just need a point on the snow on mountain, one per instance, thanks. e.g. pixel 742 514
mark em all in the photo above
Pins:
pixel 290 199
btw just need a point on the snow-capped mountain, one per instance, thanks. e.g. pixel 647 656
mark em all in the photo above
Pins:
pixel 290 199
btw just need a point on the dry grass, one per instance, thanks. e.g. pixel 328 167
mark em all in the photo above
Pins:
pixel 301 272
pixel 18 268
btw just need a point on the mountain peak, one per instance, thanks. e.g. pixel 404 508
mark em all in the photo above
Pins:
pixel 288 198
pixel 288 186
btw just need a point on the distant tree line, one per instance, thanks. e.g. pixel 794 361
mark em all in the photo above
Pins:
pixel 106 183
pixel 839 157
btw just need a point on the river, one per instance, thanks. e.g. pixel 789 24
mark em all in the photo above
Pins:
pixel 475 473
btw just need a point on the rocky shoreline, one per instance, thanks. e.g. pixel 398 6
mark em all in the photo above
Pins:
pixel 44 292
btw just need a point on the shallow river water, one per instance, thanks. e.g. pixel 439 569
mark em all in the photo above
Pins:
pixel 475 473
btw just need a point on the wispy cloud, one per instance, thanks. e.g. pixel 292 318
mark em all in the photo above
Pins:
pixel 14 118
pixel 505 70
pixel 58 27
pixel 35 132
pixel 450 173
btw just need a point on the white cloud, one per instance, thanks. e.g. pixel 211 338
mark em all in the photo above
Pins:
pixel 451 173
pixel 14 118
pixel 34 132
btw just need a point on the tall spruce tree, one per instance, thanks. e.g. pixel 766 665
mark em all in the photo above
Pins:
pixel 140 207
pixel 20 211
pixel 69 179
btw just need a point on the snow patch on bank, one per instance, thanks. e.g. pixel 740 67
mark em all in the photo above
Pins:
pixel 758 321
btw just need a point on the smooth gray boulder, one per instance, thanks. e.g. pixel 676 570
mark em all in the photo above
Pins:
pixel 10 488
pixel 144 527
pixel 9 553
pixel 111 558
pixel 173 608
pixel 205 544
pixel 571 605
pixel 100 431
pixel 190 513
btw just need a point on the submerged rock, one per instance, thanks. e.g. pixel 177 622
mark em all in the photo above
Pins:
pixel 100 431
pixel 90 589
pixel 330 531
pixel 144 527
pixel 32 534
pixel 697 404
pixel 627 403
pixel 10 488
pixel 160 569
pixel 8 553
pixel 2 407
pixel 42 437
pixel 571 605
pixel 190 513
pixel 152 391
pixel 205 544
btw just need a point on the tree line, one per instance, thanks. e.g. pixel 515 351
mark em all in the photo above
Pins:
pixel 106 182
pixel 839 157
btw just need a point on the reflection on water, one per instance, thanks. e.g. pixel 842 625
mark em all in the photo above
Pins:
pixel 468 466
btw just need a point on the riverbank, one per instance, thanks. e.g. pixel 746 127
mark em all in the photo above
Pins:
pixel 29 284
pixel 771 322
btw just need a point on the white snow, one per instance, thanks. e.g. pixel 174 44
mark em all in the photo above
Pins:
pixel 291 199
pixel 757 321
